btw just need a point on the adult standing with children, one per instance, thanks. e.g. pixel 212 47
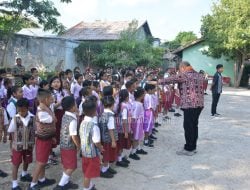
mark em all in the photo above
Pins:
pixel 190 85
pixel 18 71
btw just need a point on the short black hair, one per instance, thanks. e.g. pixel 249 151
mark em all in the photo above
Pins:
pixel 95 83
pixel 43 83
pixel 139 91
pixel 23 102
pixel 32 70
pixel 219 66
pixel 92 98
pixel 129 84
pixel 149 87
pixel 108 101
pixel 68 103
pixel 68 71
pixel 77 76
pixel 26 77
pixel 89 107
pixel 85 91
pixel 86 83
pixel 42 94
pixel 107 91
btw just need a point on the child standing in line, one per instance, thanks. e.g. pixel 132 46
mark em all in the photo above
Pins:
pixel 77 86
pixel 3 124
pixel 123 127
pixel 45 133
pixel 7 89
pixel 69 76
pixel 137 121
pixel 148 114
pixel 22 129
pixel 109 137
pixel 28 91
pixel 90 146
pixel 69 143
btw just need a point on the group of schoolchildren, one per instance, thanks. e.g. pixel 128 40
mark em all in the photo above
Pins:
pixel 95 116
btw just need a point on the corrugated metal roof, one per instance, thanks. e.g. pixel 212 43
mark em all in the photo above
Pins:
pixel 99 30
pixel 37 32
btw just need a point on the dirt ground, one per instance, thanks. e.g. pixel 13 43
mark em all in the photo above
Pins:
pixel 222 161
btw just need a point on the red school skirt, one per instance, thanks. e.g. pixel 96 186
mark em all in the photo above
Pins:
pixel 59 114
pixel 109 153
pixel 124 143
pixel 69 158
pixel 91 167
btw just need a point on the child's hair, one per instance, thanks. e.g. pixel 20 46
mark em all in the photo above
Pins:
pixel 26 77
pixel 51 81
pixel 102 73
pixel 139 91
pixel 86 83
pixel 32 70
pixel 219 66
pixel 23 102
pixel 128 74
pixel 129 84
pixel 149 87
pixel 77 76
pixel 61 74
pixel 68 103
pixel 91 98
pixel 43 83
pixel 107 91
pixel 7 81
pixel 123 95
pixel 89 108
pixel 85 91
pixel 95 83
pixel 43 94
pixel 68 71
pixel 108 101
pixel 12 91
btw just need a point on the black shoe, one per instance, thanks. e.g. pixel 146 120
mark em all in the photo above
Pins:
pixel 112 171
pixel 142 152
pixel 47 182
pixel 152 137
pixel 106 175
pixel 122 164
pixel 52 162
pixel 58 187
pixel 36 187
pixel 3 174
pixel 134 156
pixel 148 145
pixel 70 185
pixel 80 154
pixel 124 159
pixel 171 110
pixel 93 188
pixel 16 188
pixel 151 141
pixel 26 178
pixel 155 130
pixel 157 124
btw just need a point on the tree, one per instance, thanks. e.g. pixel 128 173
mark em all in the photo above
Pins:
pixel 227 32
pixel 15 13
pixel 182 39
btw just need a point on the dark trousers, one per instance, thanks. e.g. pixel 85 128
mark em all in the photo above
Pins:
pixel 191 120
pixel 215 101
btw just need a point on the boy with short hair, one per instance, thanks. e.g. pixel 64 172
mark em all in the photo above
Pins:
pixel 45 133
pixel 69 143
pixel 90 145
pixel 22 129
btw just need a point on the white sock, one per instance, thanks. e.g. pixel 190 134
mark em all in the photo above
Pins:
pixel 24 173
pixel 91 185
pixel 64 180
pixel 32 184
pixel 139 147
pixel 14 184
pixel 133 151
pixel 42 179
pixel 146 141
pixel 119 158
pixel 104 169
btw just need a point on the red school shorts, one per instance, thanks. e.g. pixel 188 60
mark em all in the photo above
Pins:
pixel 21 156
pixel 69 159
pixel 91 167
pixel 109 153
pixel 43 150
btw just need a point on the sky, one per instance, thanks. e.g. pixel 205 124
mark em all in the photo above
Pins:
pixel 166 18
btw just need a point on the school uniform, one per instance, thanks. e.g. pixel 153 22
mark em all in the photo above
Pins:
pixel 99 108
pixel 90 134
pixel 67 146
pixel 28 93
pixel 11 107
pixel 75 89
pixel 138 118
pixel 46 130
pixel 148 113
pixel 3 119
pixel 23 137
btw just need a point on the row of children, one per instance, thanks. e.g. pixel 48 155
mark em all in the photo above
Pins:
pixel 112 119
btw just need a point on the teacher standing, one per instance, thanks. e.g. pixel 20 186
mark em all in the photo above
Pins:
pixel 190 84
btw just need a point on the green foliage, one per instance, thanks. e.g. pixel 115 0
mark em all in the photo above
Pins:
pixel 227 29
pixel 125 52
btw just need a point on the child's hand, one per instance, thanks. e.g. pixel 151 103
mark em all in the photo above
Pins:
pixel 126 135
pixel 113 145
pixel 102 149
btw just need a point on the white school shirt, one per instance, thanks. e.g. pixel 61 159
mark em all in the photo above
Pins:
pixel 25 120
pixel 2 91
pixel 111 122
pixel 96 137
pixel 5 118
pixel 73 124
pixel 11 108
pixel 125 114
pixel 80 106
pixel 44 117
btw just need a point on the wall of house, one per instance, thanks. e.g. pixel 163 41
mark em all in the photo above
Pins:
pixel 200 61
pixel 51 54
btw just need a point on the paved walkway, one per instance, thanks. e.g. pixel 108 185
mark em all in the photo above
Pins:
pixel 222 162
